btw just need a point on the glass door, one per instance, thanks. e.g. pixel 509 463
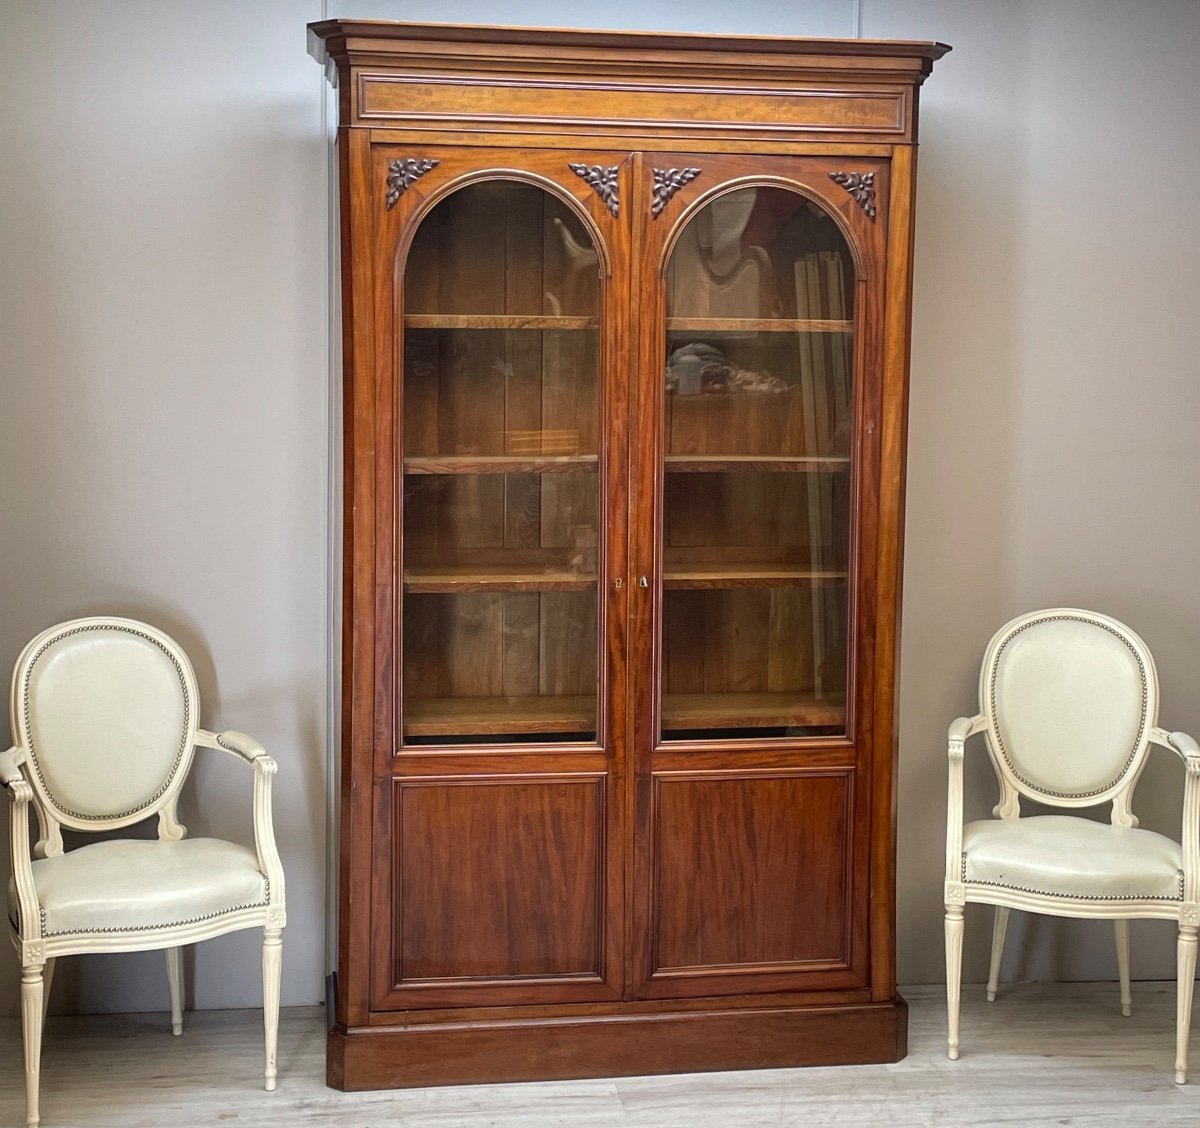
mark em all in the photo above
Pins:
pixel 758 376
pixel 498 875
pixel 758 441
pixel 501 462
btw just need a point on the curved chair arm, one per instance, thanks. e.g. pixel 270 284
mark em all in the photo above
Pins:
pixel 1186 748
pixel 960 729
pixel 21 795
pixel 250 751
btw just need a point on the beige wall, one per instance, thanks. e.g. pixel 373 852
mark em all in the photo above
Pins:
pixel 165 398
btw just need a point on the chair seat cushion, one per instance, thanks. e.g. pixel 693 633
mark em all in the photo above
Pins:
pixel 1073 858
pixel 136 886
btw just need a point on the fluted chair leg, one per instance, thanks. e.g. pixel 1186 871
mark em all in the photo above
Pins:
pixel 175 983
pixel 32 1010
pixel 954 947
pixel 1121 930
pixel 272 971
pixel 47 983
pixel 1186 971
pixel 999 929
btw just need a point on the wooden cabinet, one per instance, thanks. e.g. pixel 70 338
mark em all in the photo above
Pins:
pixel 625 358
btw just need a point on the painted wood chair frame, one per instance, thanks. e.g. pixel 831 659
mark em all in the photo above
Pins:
pixel 78 772
pixel 1088 714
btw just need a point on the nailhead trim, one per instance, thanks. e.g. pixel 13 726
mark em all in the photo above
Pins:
pixel 153 927
pixel 1072 896
pixel 996 727
pixel 183 741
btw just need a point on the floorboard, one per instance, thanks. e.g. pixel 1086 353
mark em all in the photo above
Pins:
pixel 1041 1055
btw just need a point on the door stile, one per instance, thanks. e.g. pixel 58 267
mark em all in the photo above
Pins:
pixel 644 532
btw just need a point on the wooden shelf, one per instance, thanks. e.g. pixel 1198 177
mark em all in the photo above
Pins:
pixel 755 463
pixel 496 321
pixel 501 464
pixel 756 325
pixel 749 710
pixel 451 578
pixel 482 716
pixel 723 574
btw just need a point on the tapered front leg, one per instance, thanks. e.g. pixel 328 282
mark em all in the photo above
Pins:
pixel 1121 931
pixel 1186 972
pixel 32 1011
pixel 954 947
pixel 47 983
pixel 175 984
pixel 272 971
pixel 999 928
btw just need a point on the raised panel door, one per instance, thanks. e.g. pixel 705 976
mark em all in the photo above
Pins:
pixel 759 362
pixel 500 792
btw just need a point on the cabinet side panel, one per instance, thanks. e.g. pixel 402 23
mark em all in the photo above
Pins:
pixel 893 445
pixel 358 538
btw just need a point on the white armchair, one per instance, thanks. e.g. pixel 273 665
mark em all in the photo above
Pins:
pixel 1069 704
pixel 104 717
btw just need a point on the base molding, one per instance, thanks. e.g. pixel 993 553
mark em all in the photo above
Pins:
pixel 615 1045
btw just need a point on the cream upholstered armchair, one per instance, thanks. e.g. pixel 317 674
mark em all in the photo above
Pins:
pixel 1069 705
pixel 104 717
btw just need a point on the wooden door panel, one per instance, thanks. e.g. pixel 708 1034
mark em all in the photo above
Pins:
pixel 499 888
pixel 752 881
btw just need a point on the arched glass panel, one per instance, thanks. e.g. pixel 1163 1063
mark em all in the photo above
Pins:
pixel 758 444
pixel 501 306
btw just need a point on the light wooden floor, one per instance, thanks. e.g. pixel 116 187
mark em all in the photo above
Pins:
pixel 1041 1055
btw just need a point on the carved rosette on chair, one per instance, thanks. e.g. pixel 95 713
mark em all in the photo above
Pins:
pixel 1069 709
pixel 105 723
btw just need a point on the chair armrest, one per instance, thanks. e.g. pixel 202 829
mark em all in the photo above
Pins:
pixel 1186 748
pixel 250 751
pixel 10 771
pixel 21 794
pixel 960 729
pixel 231 741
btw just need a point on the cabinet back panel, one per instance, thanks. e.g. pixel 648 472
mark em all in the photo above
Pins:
pixel 485 644
pixel 748 640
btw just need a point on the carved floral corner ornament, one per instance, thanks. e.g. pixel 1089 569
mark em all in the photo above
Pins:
pixel 606 181
pixel 403 174
pixel 668 181
pixel 861 186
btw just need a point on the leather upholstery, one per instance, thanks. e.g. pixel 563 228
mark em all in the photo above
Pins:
pixel 1069 700
pixel 1067 856
pixel 105 715
pixel 106 711
pixel 135 885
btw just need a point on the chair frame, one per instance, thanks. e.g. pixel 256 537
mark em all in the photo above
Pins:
pixel 959 892
pixel 27 788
